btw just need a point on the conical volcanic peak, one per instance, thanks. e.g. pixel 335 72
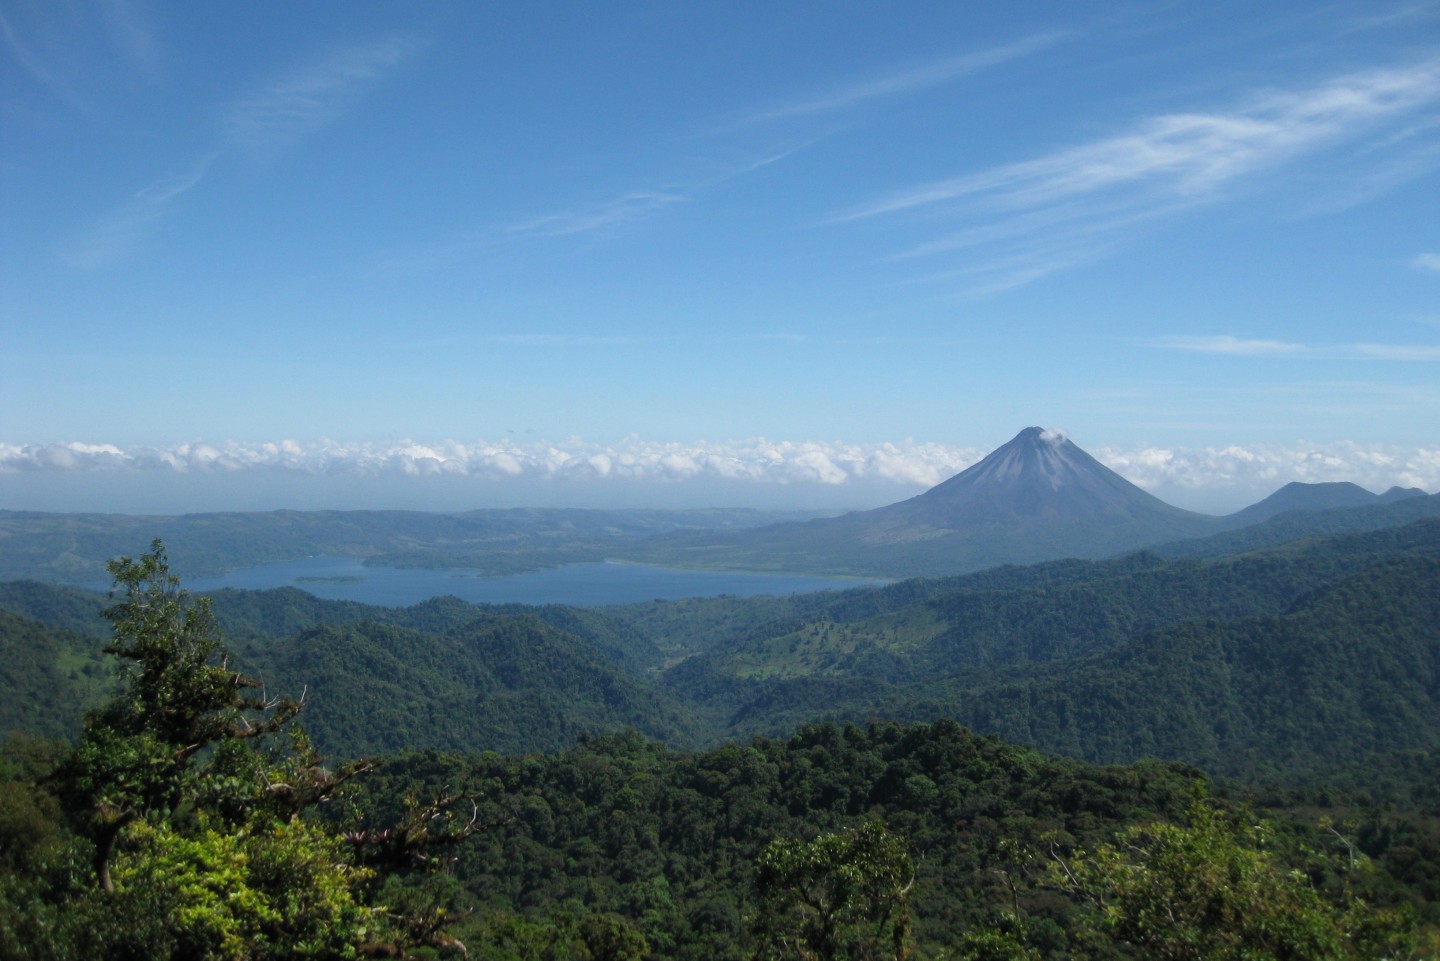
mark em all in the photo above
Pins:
pixel 1038 496
pixel 1041 472
pixel 1036 456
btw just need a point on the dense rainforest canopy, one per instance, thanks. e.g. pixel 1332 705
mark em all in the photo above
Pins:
pixel 784 778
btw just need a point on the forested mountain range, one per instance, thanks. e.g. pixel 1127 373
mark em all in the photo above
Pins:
pixel 1315 652
pixel 1307 669
pixel 1277 658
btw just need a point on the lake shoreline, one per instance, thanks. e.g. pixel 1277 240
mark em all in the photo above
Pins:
pixel 583 584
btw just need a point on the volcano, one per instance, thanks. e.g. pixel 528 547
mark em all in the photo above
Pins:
pixel 1037 498
pixel 1038 486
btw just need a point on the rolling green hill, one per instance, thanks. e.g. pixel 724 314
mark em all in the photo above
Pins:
pixel 1107 660
pixel 1110 661
pixel 1310 669
pixel 1009 615
pixel 442 674
pixel 503 682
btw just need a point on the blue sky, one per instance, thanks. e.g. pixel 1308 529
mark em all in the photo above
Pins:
pixel 269 254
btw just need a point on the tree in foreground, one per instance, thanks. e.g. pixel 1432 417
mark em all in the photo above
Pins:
pixel 843 895
pixel 190 793
pixel 1210 890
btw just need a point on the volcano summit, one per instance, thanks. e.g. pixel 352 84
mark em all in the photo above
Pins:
pixel 1038 497
pixel 1038 485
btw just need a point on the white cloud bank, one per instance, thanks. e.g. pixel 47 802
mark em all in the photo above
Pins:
pixel 1203 477
pixel 757 460
pixel 1268 467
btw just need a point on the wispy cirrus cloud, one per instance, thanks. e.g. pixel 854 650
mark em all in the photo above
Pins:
pixel 1188 154
pixel 636 205
pixel 274 116
pixel 626 208
pixel 1412 12
pixel 119 233
pixel 592 217
pixel 80 53
pixel 1392 351
pixel 561 340
pixel 1025 212
pixel 1232 346
pixel 908 81
pixel 282 110
pixel 1229 345
pixel 1427 261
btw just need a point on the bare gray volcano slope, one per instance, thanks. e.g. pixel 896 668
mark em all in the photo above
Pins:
pixel 1040 492
pixel 1038 497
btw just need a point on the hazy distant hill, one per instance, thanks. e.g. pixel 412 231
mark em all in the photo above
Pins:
pixel 1380 512
pixel 74 548
pixel 1297 496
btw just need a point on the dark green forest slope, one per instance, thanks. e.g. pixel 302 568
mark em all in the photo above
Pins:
pixel 475 679
pixel 1347 673
pixel 1311 669
pixel 1317 652
pixel 621 848
pixel 1309 653
pixel 502 682
pixel 669 840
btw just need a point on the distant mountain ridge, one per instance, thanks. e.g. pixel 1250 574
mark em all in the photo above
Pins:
pixel 1319 651
pixel 1298 496
pixel 1379 512
pixel 74 548
pixel 1037 498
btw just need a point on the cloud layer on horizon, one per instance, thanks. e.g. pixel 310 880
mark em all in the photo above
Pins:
pixel 907 464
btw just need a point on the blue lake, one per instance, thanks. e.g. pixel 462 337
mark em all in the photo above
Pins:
pixel 347 579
